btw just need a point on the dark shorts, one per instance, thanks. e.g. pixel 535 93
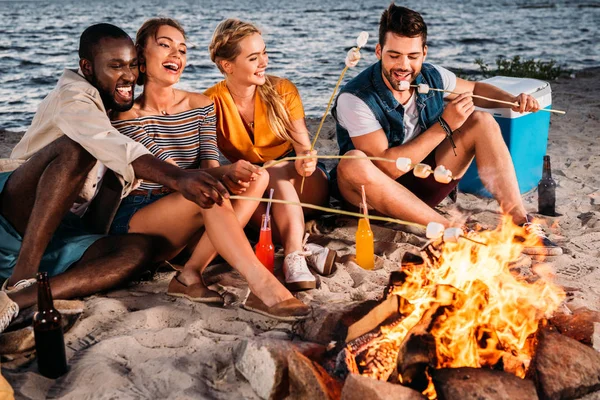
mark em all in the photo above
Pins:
pixel 430 191
pixel 68 244
pixel 129 206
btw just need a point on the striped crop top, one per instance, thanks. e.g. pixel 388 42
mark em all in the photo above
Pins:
pixel 185 138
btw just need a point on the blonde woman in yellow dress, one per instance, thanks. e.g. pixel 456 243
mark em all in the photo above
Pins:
pixel 260 118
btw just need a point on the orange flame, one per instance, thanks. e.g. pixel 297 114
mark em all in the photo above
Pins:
pixel 491 314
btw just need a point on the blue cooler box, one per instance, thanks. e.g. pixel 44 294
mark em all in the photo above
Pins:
pixel 526 135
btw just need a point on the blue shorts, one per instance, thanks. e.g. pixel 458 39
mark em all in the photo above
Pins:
pixel 67 246
pixel 129 206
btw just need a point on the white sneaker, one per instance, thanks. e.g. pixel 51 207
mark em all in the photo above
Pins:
pixel 297 275
pixel 20 285
pixel 8 311
pixel 321 259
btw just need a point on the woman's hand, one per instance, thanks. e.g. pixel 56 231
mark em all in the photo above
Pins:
pixel 307 166
pixel 239 175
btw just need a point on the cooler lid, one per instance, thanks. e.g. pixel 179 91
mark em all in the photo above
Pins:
pixel 539 89
pixel 517 86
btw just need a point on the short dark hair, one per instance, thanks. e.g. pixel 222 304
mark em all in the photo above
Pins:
pixel 94 34
pixel 403 22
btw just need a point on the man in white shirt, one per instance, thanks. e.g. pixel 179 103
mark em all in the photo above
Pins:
pixel 379 113
pixel 64 154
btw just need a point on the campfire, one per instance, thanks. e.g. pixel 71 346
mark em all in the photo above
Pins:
pixel 456 304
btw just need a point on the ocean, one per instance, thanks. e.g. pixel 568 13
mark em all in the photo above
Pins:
pixel 307 40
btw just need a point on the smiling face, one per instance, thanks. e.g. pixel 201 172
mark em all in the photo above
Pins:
pixel 250 65
pixel 401 59
pixel 165 55
pixel 113 71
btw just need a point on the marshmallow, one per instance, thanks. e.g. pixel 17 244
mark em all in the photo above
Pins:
pixel 442 175
pixel 422 170
pixel 434 230
pixel 404 85
pixel 423 88
pixel 362 39
pixel 403 164
pixel 352 57
pixel 452 234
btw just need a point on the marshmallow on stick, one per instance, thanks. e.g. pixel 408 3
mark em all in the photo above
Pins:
pixel 422 170
pixel 404 164
pixel 442 174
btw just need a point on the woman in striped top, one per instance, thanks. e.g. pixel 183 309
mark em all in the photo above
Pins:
pixel 179 127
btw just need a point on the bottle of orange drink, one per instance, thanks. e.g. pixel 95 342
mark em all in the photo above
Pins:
pixel 365 253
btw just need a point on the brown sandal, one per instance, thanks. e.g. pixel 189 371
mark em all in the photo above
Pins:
pixel 288 310
pixel 196 292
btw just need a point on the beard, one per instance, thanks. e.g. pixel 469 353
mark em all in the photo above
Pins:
pixel 395 83
pixel 108 97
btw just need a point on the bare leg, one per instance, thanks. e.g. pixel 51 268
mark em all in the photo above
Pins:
pixel 205 252
pixel 110 261
pixel 224 231
pixel 384 194
pixel 39 194
pixel 480 136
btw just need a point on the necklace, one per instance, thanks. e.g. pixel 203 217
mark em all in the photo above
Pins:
pixel 163 111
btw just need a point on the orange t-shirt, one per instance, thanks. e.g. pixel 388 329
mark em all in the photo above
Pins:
pixel 234 139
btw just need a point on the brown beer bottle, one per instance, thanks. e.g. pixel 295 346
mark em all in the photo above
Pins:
pixel 547 191
pixel 47 329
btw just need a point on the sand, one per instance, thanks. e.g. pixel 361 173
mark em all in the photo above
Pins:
pixel 137 342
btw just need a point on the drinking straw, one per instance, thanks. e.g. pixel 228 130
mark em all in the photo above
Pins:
pixel 364 201
pixel 268 208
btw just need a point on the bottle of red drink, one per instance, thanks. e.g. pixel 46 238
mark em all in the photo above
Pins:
pixel 265 251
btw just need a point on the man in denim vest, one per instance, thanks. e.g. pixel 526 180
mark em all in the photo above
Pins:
pixel 379 113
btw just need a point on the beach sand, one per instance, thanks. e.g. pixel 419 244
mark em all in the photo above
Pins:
pixel 137 342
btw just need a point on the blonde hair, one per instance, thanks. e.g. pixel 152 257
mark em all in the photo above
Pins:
pixel 148 30
pixel 225 46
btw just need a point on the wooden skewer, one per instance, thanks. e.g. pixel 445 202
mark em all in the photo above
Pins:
pixel 494 100
pixel 281 160
pixel 312 145
pixel 330 210
pixel 325 157
pixel 337 85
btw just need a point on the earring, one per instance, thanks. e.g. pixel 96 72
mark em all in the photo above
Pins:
pixel 143 68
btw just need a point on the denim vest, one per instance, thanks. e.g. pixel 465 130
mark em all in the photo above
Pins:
pixel 370 88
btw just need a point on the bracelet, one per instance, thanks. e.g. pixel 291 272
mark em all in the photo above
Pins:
pixel 448 132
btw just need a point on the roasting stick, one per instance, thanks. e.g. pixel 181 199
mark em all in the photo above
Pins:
pixel 360 41
pixel 484 98
pixel 330 210
pixel 325 157
pixel 433 229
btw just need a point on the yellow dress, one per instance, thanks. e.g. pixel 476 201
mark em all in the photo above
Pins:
pixel 233 136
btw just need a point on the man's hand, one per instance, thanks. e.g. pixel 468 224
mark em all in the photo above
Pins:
pixel 239 175
pixel 307 166
pixel 202 189
pixel 526 102
pixel 458 110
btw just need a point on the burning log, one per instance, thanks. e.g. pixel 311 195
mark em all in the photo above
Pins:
pixel 418 351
